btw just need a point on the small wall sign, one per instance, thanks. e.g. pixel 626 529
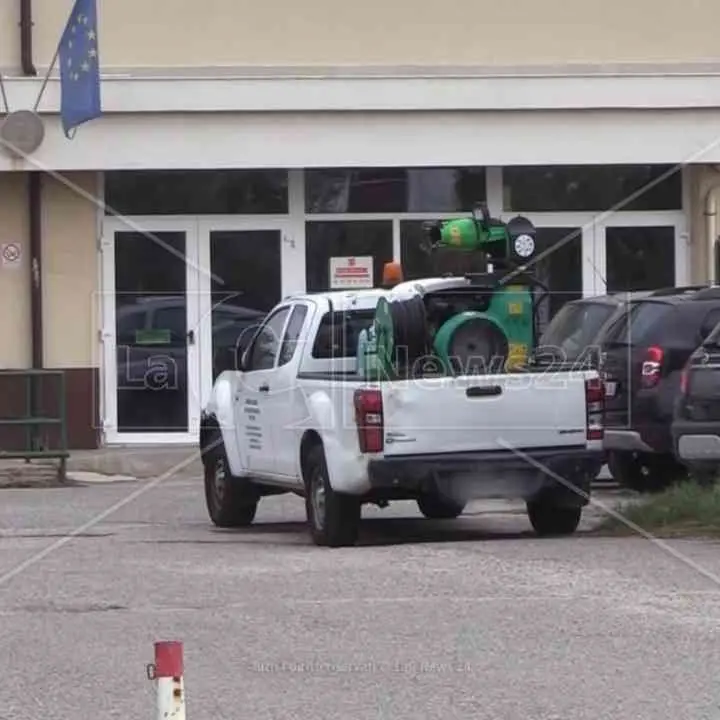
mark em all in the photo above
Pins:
pixel 351 272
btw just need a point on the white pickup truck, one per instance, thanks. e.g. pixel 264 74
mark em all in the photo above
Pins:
pixel 296 417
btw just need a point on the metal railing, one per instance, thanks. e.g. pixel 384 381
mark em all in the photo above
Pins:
pixel 35 418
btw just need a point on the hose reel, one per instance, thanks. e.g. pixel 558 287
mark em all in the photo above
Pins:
pixel 401 332
pixel 470 342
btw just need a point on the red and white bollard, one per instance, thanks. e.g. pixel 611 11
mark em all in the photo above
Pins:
pixel 167 672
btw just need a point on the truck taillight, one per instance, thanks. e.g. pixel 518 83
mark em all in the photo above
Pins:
pixel 651 367
pixel 595 408
pixel 369 420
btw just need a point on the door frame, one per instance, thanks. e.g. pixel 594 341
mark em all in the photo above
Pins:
pixel 292 277
pixel 675 219
pixel 153 224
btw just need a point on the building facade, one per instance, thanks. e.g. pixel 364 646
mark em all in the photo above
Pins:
pixel 240 151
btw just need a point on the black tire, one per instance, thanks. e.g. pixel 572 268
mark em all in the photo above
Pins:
pixel 645 473
pixel 231 501
pixel 333 518
pixel 435 507
pixel 548 519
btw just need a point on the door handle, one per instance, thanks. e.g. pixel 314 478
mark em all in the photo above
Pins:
pixel 264 388
pixel 484 391
pixel 191 337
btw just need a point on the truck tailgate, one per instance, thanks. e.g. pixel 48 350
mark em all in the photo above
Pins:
pixel 466 414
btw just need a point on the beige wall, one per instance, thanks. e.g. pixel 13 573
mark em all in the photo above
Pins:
pixel 14 281
pixel 377 32
pixel 70 271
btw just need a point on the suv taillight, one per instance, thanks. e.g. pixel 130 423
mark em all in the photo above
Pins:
pixel 369 420
pixel 684 379
pixel 595 408
pixel 651 367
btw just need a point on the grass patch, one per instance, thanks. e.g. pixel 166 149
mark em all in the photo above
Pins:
pixel 684 510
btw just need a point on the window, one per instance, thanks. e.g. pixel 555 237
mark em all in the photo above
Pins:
pixel 640 258
pixel 130 319
pixel 339 333
pixel 290 341
pixel 196 192
pixel 575 327
pixel 393 190
pixel 558 188
pixel 560 270
pixel 418 262
pixel 709 324
pixel 345 239
pixel 171 320
pixel 637 325
pixel 267 342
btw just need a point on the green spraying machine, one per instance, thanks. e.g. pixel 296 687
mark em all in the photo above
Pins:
pixel 484 322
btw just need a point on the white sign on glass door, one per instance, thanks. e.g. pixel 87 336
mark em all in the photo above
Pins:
pixel 351 272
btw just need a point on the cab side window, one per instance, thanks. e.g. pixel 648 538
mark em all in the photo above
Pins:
pixel 292 334
pixel 266 345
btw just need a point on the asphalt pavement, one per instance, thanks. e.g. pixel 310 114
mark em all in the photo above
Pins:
pixel 472 618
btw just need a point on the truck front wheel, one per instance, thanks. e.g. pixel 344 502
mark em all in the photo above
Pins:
pixel 548 519
pixel 231 502
pixel 435 507
pixel 334 518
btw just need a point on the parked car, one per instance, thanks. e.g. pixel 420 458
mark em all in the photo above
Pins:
pixel 575 334
pixel 297 417
pixel 642 359
pixel 696 425
pixel 579 326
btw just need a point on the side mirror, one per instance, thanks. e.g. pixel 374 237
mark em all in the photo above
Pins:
pixel 240 358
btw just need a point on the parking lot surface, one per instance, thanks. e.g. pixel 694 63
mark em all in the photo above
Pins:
pixel 473 618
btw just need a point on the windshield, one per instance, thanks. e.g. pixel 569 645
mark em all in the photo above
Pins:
pixel 635 326
pixel 575 327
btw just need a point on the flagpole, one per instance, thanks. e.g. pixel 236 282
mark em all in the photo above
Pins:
pixel 47 75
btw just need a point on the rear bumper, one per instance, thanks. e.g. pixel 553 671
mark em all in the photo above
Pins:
pixel 645 429
pixel 696 442
pixel 565 473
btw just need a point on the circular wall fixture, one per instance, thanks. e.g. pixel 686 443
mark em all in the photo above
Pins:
pixel 22 133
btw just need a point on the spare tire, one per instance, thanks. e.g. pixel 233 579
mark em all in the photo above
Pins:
pixel 472 343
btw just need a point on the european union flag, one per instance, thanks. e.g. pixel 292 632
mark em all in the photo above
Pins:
pixel 79 68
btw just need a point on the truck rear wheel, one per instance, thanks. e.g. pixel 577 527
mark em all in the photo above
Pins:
pixel 334 518
pixel 435 507
pixel 231 502
pixel 548 519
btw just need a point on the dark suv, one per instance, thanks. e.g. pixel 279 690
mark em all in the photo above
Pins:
pixel 643 356
pixel 579 326
pixel 696 427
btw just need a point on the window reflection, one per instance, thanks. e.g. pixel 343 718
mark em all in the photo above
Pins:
pixel 389 190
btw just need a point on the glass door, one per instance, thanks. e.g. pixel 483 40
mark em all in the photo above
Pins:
pixel 150 331
pixel 643 251
pixel 247 266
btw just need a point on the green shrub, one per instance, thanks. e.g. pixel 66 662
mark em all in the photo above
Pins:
pixel 684 509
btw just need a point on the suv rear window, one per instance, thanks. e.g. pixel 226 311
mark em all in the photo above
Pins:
pixel 575 327
pixel 338 334
pixel 637 325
